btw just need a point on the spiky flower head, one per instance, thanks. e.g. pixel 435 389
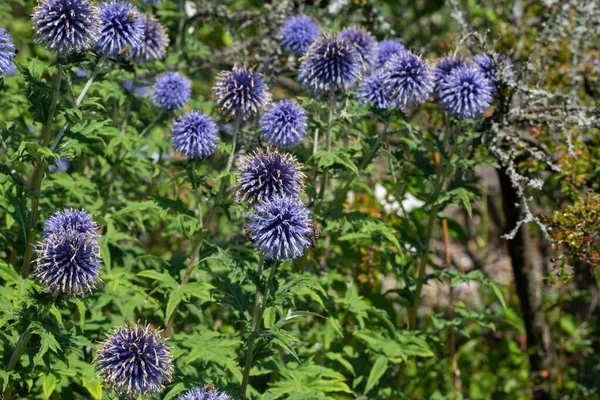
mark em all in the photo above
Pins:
pixel 195 135
pixel 121 29
pixel 331 64
pixel 241 92
pixel 387 49
pixel 66 26
pixel 365 43
pixel 298 33
pixel 281 228
pixel 373 91
pixel 446 65
pixel 7 52
pixel 465 93
pixel 171 91
pixel 408 79
pixel 68 261
pixel 154 42
pixel 487 66
pixel 284 124
pixel 135 361
pixel 207 393
pixel 264 175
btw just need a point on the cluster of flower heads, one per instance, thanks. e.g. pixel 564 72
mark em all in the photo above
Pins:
pixel 241 92
pixel 135 361
pixel 298 33
pixel 280 227
pixel 7 52
pixel 68 261
pixel 114 29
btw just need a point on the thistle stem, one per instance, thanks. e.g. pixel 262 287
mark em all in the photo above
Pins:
pixel 331 106
pixel 259 310
pixel 207 220
pixel 78 102
pixel 37 175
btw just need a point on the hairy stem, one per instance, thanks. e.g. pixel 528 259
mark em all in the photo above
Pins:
pixel 37 175
pixel 205 223
pixel 260 300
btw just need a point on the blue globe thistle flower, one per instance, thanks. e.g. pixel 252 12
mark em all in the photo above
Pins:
pixel 465 93
pixel 408 79
pixel 486 65
pixel 264 175
pixel 68 261
pixel 171 91
pixel 141 88
pixel 241 92
pixel 374 91
pixel 365 43
pixel 66 26
pixel 281 228
pixel 284 124
pixel 195 135
pixel 331 64
pixel 445 67
pixel 7 52
pixel 298 33
pixel 387 49
pixel 154 42
pixel 135 361
pixel 121 29
pixel 206 393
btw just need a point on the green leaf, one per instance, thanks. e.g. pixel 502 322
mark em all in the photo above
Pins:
pixel 180 387
pixel 93 386
pixel 379 368
pixel 176 297
pixel 162 277
pixel 49 384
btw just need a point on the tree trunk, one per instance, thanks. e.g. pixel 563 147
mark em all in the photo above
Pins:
pixel 528 281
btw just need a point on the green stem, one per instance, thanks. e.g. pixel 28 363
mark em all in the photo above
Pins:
pixel 331 106
pixel 78 102
pixel 151 124
pixel 37 176
pixel 260 301
pixel 129 101
pixel 179 39
pixel 207 220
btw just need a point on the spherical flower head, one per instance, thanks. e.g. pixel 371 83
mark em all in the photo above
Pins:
pixel 265 175
pixel 387 49
pixel 195 135
pixel 331 64
pixel 121 29
pixel 365 43
pixel 284 124
pixel 465 93
pixel 135 361
pixel 241 92
pixel 373 91
pixel 445 67
pixel 281 228
pixel 66 26
pixel 206 393
pixel 171 91
pixel 154 42
pixel 486 65
pixel 68 261
pixel 7 52
pixel 298 33
pixel 409 79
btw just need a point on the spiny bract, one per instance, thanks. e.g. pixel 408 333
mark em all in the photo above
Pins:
pixel 265 175
pixel 241 92
pixel 135 361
